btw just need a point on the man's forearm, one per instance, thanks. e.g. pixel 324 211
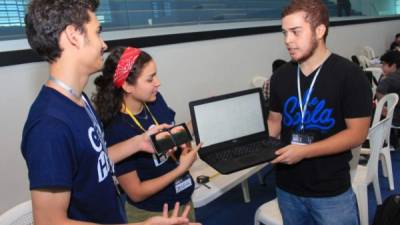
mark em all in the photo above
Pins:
pixel 124 149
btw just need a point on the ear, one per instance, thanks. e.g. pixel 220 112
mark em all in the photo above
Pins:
pixel 74 36
pixel 128 88
pixel 320 31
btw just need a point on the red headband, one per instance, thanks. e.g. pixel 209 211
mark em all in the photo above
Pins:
pixel 125 64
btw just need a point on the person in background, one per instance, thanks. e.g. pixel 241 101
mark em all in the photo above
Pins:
pixel 396 43
pixel 275 66
pixel 129 103
pixel 390 83
pixel 70 168
pixel 320 105
pixel 343 6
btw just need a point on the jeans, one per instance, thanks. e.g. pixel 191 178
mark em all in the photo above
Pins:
pixel 336 210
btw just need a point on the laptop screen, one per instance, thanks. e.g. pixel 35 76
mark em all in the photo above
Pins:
pixel 229 118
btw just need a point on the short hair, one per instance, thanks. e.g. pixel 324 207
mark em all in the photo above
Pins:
pixel 316 12
pixel 391 57
pixel 47 19
pixel 397 35
pixel 277 63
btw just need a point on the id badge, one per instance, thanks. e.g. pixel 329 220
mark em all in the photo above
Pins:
pixel 183 183
pixel 302 138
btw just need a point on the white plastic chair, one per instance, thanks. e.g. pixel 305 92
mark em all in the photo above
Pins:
pixel 368 174
pixel 364 61
pixel 368 52
pixel 258 81
pixel 268 214
pixel 18 215
pixel 376 73
pixel 389 101
pixel 355 152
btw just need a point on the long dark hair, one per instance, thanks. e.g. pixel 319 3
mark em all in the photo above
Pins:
pixel 108 99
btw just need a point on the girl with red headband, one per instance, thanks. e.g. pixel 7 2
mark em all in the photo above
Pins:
pixel 128 103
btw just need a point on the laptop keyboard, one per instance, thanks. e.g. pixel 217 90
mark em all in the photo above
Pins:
pixel 245 150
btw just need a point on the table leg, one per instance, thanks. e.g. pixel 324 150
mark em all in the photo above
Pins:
pixel 245 190
pixel 260 178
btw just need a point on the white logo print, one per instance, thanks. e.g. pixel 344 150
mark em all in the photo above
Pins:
pixel 94 139
pixel 103 163
pixel 103 167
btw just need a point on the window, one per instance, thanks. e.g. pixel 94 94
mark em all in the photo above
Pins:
pixel 12 18
pixel 12 13
pixel 397 6
pixel 133 14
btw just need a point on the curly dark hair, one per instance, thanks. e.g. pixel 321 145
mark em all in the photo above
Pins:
pixel 108 99
pixel 391 57
pixel 316 12
pixel 46 19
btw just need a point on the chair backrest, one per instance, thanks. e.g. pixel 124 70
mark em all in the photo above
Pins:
pixel 18 215
pixel 258 81
pixel 389 101
pixel 376 73
pixel 364 61
pixel 376 134
pixel 368 52
pixel 355 152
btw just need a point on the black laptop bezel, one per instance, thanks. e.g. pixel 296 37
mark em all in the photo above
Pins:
pixel 234 142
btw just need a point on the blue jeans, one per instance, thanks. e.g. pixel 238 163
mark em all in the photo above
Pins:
pixel 336 210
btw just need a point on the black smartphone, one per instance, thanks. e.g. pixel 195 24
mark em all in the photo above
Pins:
pixel 170 138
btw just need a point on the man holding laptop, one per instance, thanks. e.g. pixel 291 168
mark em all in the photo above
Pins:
pixel 320 106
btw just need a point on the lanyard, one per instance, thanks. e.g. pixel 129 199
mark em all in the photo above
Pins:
pixel 303 109
pixel 90 113
pixel 99 133
pixel 96 124
pixel 65 87
pixel 136 120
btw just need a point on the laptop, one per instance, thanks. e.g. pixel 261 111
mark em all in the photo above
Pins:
pixel 233 130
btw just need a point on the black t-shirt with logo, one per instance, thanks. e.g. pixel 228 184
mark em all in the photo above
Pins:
pixel 341 91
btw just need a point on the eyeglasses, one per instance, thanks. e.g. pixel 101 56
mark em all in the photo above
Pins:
pixel 171 138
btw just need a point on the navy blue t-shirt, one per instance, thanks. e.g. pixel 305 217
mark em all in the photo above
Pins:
pixel 148 166
pixel 62 150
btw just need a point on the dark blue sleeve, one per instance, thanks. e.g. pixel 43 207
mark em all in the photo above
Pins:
pixel 115 134
pixel 48 151
pixel 125 166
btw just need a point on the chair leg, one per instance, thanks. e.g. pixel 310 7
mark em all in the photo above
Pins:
pixel 382 157
pixel 362 202
pixel 377 190
pixel 388 168
pixel 256 221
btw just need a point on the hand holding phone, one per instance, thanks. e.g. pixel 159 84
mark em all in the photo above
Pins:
pixel 170 138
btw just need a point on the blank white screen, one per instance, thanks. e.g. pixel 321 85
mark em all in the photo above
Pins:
pixel 229 119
